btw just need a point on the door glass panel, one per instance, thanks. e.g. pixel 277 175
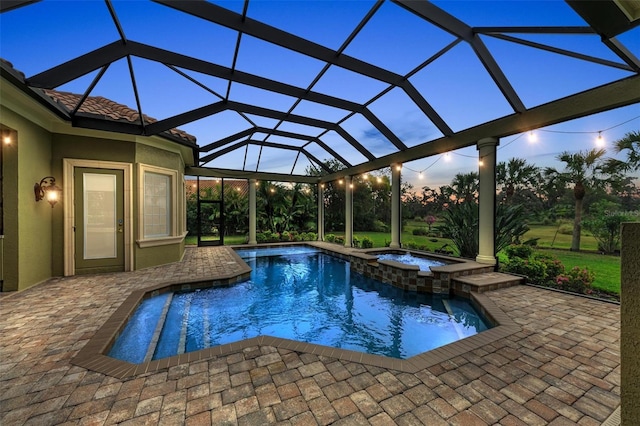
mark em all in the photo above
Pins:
pixel 210 222
pixel 99 194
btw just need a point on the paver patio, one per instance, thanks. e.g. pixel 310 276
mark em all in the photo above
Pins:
pixel 561 368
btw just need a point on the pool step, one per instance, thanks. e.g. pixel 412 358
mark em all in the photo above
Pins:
pixel 156 334
pixel 182 344
pixel 456 326
pixel 480 283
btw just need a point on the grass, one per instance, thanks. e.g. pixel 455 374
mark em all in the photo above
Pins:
pixel 548 237
pixel 605 267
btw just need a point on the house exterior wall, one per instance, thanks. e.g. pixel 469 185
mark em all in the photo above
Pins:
pixel 33 241
pixel 83 148
pixel 27 223
pixel 87 148
pixel 158 255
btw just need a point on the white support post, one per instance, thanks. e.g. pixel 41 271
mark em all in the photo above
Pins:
pixel 252 211
pixel 487 200
pixel 396 219
pixel 348 212
pixel 321 212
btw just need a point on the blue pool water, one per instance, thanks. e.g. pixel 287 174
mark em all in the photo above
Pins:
pixel 422 262
pixel 301 295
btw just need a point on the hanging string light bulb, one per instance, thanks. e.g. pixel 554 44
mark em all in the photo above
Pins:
pixel 420 175
pixel 600 139
pixel 533 137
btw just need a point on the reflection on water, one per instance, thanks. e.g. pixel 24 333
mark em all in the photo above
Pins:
pixel 315 298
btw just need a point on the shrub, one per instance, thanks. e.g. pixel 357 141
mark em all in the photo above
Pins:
pixel 379 226
pixel 267 237
pixel 339 239
pixel 309 236
pixel 565 229
pixel 606 230
pixel 367 242
pixel 430 221
pixel 355 242
pixel 411 246
pixel 553 264
pixel 330 238
pixel 460 224
pixel 534 270
pixel 421 231
pixel 522 251
pixel 577 280
pixel 286 236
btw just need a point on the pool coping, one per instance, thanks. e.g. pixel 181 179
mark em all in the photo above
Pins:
pixel 92 355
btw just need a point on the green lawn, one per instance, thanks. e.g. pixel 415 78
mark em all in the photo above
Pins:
pixel 605 267
pixel 550 238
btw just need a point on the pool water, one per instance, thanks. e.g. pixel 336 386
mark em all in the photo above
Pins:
pixel 422 262
pixel 301 295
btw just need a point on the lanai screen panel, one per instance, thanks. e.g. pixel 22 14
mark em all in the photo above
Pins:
pixel 287 86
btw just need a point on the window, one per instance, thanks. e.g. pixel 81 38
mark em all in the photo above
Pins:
pixel 157 205
pixel 160 206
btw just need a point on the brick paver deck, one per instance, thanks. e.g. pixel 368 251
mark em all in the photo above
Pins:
pixel 562 368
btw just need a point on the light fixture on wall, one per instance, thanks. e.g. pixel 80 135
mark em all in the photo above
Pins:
pixel 48 189
pixel 6 137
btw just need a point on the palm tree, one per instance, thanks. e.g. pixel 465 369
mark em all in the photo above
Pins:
pixel 583 169
pixel 465 186
pixel 630 143
pixel 516 175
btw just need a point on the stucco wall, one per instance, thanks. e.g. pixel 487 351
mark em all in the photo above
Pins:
pixel 85 148
pixel 27 258
pixel 630 322
pixel 152 256
pixel 81 147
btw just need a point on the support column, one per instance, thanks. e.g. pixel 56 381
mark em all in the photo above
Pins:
pixel 252 211
pixel 348 212
pixel 487 201
pixel 396 218
pixel 321 212
pixel 630 322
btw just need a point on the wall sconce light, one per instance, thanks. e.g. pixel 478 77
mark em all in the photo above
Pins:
pixel 47 188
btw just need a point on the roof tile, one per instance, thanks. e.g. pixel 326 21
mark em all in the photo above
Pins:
pixel 106 108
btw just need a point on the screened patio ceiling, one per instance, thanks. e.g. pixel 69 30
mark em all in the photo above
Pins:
pixel 293 90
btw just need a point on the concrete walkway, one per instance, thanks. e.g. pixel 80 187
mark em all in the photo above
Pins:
pixel 562 368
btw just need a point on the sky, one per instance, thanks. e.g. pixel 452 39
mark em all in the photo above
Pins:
pixel 455 84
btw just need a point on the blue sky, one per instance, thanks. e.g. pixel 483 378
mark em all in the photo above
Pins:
pixel 456 84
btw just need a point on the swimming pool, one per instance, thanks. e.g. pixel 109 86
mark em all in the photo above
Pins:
pixel 302 295
pixel 422 262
